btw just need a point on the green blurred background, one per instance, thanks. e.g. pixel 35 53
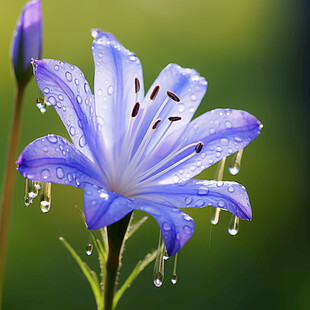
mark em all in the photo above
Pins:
pixel 255 56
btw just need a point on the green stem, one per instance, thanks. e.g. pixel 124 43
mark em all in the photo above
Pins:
pixel 8 182
pixel 116 237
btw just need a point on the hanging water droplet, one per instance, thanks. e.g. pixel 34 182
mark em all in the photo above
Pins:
pixel 27 199
pixel 158 273
pixel 234 167
pixel 174 277
pixel 89 248
pixel 215 216
pixel 41 104
pixel 233 227
pixel 45 198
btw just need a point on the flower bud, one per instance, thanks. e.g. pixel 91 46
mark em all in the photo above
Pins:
pixel 27 41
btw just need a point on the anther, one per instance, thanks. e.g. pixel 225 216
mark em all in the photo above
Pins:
pixel 137 85
pixel 156 124
pixel 135 109
pixel 172 96
pixel 154 93
pixel 198 147
pixel 174 118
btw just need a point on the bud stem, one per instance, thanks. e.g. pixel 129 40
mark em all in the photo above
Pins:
pixel 8 182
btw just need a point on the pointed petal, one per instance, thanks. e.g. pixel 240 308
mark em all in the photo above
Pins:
pixel 103 208
pixel 53 159
pixel 193 193
pixel 188 85
pixel 177 227
pixel 115 71
pixel 67 90
pixel 222 131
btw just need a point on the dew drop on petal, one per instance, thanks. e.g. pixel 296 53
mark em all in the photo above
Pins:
pixel 228 124
pixel 45 173
pixel 99 92
pixel 52 138
pixel 202 190
pixel 68 76
pixel 199 203
pixel 181 107
pixel 59 173
pixel 231 189
pixel 212 131
pixel 110 90
pixel 221 203
pixel 188 200
pixel 193 97
pixel 82 141
pixel 166 226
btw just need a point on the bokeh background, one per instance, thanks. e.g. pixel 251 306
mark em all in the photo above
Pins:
pixel 255 56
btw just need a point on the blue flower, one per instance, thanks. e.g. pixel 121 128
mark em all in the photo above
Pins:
pixel 135 152
pixel 27 40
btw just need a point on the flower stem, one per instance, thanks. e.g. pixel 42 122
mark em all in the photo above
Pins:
pixel 116 237
pixel 8 182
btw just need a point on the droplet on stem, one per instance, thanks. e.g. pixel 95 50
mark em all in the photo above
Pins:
pixel 45 198
pixel 158 273
pixel 235 164
pixel 89 248
pixel 233 227
pixel 174 277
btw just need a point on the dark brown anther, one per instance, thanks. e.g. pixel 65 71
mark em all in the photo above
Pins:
pixel 172 96
pixel 154 93
pixel 137 85
pixel 135 109
pixel 198 147
pixel 174 118
pixel 156 123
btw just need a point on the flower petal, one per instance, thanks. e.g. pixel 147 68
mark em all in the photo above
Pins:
pixel 230 196
pixel 103 208
pixel 53 159
pixel 66 88
pixel 222 131
pixel 188 85
pixel 115 71
pixel 177 227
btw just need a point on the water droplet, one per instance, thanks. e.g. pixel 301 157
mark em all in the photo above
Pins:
pixel 45 203
pixel 52 138
pixel 46 90
pixel 221 203
pixel 68 76
pixel 31 191
pixel 202 190
pixel 219 183
pixel 235 164
pixel 231 189
pixel 212 131
pixel 60 173
pixel 89 248
pixel 56 67
pixel 45 173
pixel 166 226
pixel 82 141
pixel 193 97
pixel 196 126
pixel 99 92
pixel 181 107
pixel 188 200
pixel 61 97
pixel 79 99
pixel 199 203
pixel 77 82
pixel 215 216
pixel 211 161
pixel 233 227
pixel 72 131
pixel 110 90
pixel 228 124
pixel 69 177
pixel 174 277
pixel 41 104
pixel 219 149
pixel 224 141
pixel 132 58
pixel 158 272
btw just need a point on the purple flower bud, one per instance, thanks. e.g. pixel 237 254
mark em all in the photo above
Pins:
pixel 27 41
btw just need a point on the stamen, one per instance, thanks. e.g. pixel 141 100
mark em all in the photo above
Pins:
pixel 173 166
pixel 174 118
pixel 154 92
pixel 198 147
pixel 172 96
pixel 156 124
pixel 218 177
pixel 135 109
pixel 174 277
pixel 235 164
pixel 233 227
pixel 137 85
pixel 45 203
pixel 158 273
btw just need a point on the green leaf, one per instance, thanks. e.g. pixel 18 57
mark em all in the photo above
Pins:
pixel 134 274
pixel 89 274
